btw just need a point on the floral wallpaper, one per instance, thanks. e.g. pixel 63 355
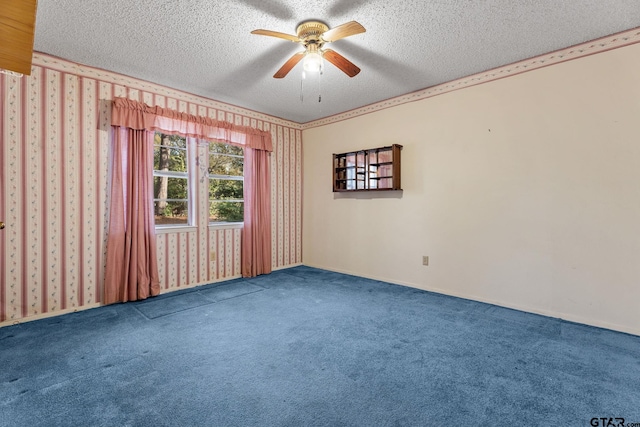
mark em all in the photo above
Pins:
pixel 54 162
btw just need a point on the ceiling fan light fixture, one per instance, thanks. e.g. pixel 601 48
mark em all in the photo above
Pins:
pixel 312 62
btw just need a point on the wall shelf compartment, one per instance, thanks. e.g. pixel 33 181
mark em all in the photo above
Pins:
pixel 375 169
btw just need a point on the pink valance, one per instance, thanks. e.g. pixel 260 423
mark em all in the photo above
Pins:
pixel 137 115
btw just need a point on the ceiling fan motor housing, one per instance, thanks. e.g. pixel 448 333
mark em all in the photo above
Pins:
pixel 311 31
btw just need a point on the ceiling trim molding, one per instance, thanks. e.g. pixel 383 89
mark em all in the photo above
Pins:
pixel 603 44
pixel 65 66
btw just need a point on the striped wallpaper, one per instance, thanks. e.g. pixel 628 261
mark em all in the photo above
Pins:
pixel 54 151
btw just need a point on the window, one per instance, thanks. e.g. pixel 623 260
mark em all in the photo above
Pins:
pixel 171 191
pixel 171 180
pixel 226 170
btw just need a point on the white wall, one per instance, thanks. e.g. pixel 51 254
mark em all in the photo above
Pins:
pixel 524 192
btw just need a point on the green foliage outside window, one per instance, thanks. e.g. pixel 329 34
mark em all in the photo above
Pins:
pixel 171 182
pixel 226 168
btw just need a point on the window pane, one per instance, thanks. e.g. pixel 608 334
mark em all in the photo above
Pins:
pixel 170 193
pixel 222 148
pixel 220 211
pixel 170 153
pixel 221 189
pixel 176 141
pixel 171 212
pixel 169 159
pixel 226 195
pixel 170 188
pixel 220 164
pixel 170 200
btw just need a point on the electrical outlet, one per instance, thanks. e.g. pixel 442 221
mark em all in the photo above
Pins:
pixel 212 256
pixel 425 260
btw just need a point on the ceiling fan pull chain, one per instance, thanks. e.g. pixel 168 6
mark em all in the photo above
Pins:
pixel 302 88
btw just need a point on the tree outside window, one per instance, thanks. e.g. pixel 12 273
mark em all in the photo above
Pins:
pixel 226 170
pixel 170 180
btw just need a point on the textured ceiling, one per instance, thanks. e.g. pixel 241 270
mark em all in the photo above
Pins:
pixel 205 47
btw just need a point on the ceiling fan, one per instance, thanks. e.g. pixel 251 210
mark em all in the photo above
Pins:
pixel 313 35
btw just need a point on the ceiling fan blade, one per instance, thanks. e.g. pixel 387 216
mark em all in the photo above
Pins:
pixel 291 62
pixel 276 34
pixel 342 31
pixel 346 66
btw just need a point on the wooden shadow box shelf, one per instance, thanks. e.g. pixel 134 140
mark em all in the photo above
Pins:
pixel 375 169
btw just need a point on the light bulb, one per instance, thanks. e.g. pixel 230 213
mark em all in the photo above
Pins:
pixel 312 62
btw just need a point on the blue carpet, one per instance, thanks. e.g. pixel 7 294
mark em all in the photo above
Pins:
pixel 195 297
pixel 306 347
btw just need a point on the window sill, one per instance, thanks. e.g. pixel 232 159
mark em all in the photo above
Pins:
pixel 169 229
pixel 176 229
pixel 225 225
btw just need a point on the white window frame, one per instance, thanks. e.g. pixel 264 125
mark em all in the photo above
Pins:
pixel 223 177
pixel 191 181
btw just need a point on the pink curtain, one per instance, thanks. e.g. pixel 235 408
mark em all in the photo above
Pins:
pixel 256 235
pixel 132 266
pixel 137 115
